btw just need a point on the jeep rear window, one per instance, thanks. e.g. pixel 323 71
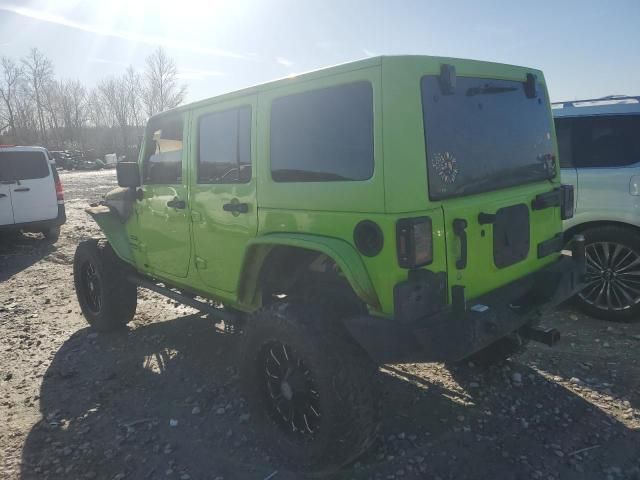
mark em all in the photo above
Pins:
pixel 16 165
pixel 485 136
pixel 323 135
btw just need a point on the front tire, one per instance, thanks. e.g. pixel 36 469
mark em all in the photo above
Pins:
pixel 107 299
pixel 613 274
pixel 310 388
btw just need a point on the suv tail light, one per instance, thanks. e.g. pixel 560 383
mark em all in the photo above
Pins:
pixel 414 242
pixel 59 188
pixel 566 201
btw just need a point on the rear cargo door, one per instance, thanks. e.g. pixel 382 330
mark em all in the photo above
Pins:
pixel 490 153
pixel 33 192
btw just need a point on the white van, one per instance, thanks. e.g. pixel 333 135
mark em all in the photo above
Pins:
pixel 31 195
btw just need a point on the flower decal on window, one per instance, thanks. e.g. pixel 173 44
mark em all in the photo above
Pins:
pixel 548 162
pixel 446 165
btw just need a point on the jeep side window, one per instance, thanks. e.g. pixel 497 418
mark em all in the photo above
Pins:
pixel 323 135
pixel 162 163
pixel 224 146
pixel 606 141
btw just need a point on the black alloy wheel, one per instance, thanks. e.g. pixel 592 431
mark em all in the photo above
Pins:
pixel 290 392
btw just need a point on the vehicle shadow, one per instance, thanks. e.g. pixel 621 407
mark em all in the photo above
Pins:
pixel 162 401
pixel 19 251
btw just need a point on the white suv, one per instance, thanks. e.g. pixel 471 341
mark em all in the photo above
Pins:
pixel 31 195
pixel 599 147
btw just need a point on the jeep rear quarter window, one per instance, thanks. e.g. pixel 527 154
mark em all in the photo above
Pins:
pixel 485 136
pixel 162 163
pixel 323 135
pixel 17 165
pixel 599 141
pixel 224 146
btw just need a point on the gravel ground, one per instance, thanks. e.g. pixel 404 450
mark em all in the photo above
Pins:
pixel 161 399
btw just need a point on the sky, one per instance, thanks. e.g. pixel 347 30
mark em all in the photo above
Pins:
pixel 587 49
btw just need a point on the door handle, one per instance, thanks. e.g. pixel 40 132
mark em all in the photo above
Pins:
pixel 2 195
pixel 459 227
pixel 22 189
pixel 236 207
pixel 177 203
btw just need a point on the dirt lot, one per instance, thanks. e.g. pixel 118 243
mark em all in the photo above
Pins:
pixel 161 399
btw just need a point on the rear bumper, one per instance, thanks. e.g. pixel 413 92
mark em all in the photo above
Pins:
pixel 465 327
pixel 40 225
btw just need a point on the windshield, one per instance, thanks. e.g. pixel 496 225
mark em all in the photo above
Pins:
pixel 484 136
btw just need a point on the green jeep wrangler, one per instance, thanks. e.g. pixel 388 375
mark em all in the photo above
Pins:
pixel 393 209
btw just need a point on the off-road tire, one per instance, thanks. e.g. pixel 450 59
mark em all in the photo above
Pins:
pixel 626 238
pixel 345 378
pixel 498 352
pixel 116 295
pixel 52 234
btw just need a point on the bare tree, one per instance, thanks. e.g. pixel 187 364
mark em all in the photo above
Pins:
pixel 72 101
pixel 11 77
pixel 38 71
pixel 161 90
pixel 114 92
pixel 133 82
pixel 96 110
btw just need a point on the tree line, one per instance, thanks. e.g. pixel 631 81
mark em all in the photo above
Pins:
pixel 36 108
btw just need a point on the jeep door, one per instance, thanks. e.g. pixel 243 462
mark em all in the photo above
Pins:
pixel 162 212
pixel 490 153
pixel 223 189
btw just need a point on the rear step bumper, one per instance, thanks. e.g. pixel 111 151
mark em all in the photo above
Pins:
pixel 466 327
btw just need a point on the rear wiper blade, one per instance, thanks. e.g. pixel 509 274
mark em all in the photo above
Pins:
pixel 488 89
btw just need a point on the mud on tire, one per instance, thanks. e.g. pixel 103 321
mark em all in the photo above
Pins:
pixel 107 299
pixel 311 390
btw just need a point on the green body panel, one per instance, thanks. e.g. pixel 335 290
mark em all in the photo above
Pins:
pixel 115 231
pixel 217 254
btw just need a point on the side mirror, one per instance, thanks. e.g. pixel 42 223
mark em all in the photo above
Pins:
pixel 128 174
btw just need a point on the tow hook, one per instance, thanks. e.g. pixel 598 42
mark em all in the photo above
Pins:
pixel 548 336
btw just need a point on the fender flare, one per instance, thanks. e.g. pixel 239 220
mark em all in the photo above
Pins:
pixel 114 229
pixel 341 252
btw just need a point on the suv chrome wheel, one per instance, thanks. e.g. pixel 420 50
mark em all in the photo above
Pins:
pixel 613 276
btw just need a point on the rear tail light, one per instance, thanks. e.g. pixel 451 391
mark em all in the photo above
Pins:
pixel 414 242
pixel 59 188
